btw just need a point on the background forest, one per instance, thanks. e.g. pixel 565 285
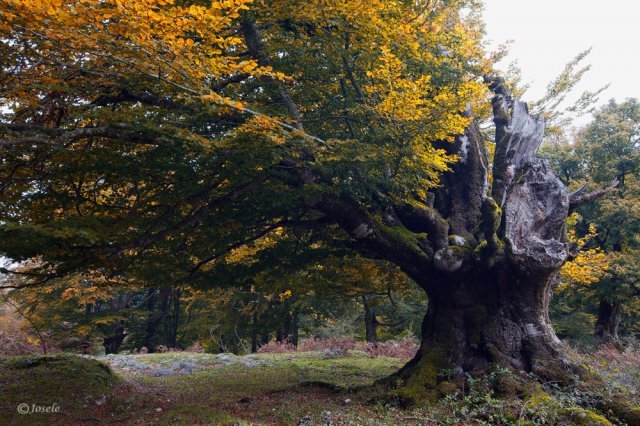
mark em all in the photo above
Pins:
pixel 596 300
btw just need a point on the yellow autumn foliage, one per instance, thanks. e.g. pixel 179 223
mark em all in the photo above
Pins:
pixel 183 46
pixel 589 265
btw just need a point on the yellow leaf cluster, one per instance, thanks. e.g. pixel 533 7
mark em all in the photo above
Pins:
pixel 261 127
pixel 589 265
pixel 185 47
pixel 246 253
pixel 285 295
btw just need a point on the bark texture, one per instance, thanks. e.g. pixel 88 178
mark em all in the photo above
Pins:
pixel 489 294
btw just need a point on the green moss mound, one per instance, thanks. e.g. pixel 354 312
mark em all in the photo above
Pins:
pixel 582 417
pixel 66 385
pixel 423 385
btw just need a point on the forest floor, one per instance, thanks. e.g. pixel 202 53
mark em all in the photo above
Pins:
pixel 302 388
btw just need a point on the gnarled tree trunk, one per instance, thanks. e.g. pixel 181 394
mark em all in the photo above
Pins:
pixel 489 294
pixel 487 255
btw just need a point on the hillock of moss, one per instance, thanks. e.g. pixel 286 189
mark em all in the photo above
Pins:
pixel 68 386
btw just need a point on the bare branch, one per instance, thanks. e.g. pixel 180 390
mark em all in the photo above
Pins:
pixel 44 278
pixel 576 199
pixel 579 191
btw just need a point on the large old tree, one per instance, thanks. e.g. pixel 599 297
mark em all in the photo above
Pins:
pixel 149 141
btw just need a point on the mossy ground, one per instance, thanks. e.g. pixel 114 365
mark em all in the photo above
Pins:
pixel 80 387
pixel 275 389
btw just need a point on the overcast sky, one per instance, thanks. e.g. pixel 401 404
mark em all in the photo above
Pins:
pixel 546 34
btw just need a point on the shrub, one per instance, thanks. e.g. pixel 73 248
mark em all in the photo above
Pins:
pixel 277 347
pixel 402 349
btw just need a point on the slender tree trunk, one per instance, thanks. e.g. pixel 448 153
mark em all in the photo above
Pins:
pixel 165 306
pixel 153 320
pixel 288 331
pixel 609 317
pixel 282 335
pixel 370 322
pixel 254 332
pixel 172 336
pixel 295 325
pixel 264 338
pixel 235 348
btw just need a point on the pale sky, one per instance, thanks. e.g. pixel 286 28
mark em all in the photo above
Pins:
pixel 546 34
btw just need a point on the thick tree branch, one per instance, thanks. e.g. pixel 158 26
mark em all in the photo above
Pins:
pixel 427 220
pixel 43 278
pixel 577 198
pixel 40 135
pixel 412 252
pixel 219 85
pixel 254 43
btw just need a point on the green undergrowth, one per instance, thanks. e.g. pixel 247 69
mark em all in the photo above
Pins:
pixel 278 389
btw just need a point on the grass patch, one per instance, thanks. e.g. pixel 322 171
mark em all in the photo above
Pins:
pixel 301 388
